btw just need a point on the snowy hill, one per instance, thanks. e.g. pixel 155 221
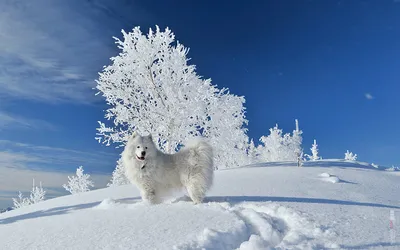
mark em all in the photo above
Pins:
pixel 325 204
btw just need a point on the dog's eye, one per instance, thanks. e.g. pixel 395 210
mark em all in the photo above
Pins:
pixel 138 147
pixel 145 147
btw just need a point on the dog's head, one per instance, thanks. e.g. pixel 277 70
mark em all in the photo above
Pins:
pixel 142 147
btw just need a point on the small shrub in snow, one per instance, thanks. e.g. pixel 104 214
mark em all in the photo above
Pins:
pixel 79 183
pixel 21 201
pixel 314 151
pixel 393 168
pixel 118 176
pixel 299 155
pixel 37 195
pixel 349 156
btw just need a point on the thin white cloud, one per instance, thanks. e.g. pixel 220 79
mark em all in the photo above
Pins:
pixel 29 156
pixel 369 96
pixel 51 50
pixel 10 121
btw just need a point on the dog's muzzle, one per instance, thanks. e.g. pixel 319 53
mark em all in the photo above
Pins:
pixel 142 155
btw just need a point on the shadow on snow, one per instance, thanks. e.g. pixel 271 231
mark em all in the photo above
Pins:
pixel 58 211
pixel 321 163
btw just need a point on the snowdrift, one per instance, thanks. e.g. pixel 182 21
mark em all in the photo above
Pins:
pixel 323 205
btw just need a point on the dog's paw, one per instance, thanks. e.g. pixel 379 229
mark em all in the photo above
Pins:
pixel 151 199
pixel 197 200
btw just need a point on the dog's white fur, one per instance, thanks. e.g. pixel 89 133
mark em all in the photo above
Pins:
pixel 156 173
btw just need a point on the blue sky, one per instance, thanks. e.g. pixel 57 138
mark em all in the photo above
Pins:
pixel 334 65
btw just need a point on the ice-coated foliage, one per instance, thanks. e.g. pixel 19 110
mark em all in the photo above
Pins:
pixel 252 152
pixel 37 195
pixel 375 165
pixel 79 183
pixel 21 201
pixel 349 156
pixel 300 158
pixel 225 130
pixel 314 152
pixel 118 177
pixel 152 89
pixel 280 147
pixel 295 143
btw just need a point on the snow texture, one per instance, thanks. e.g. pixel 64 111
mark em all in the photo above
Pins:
pixel 270 206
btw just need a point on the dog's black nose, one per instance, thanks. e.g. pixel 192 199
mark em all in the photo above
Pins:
pixel 143 153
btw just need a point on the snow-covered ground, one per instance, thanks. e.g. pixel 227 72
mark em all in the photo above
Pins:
pixel 325 204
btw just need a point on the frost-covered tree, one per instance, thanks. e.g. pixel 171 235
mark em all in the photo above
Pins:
pixel 225 129
pixel 272 147
pixel 79 183
pixel 252 152
pixel 295 142
pixel 280 147
pixel 37 195
pixel 349 156
pixel 118 176
pixel 314 152
pixel 152 89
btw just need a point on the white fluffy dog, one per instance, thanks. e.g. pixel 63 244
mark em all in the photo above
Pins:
pixel 156 173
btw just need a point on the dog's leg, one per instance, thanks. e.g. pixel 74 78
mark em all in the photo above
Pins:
pixel 150 196
pixel 148 193
pixel 196 192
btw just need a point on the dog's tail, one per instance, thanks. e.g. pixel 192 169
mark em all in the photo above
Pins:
pixel 201 159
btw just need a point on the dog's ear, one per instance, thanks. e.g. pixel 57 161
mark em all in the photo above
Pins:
pixel 150 137
pixel 134 134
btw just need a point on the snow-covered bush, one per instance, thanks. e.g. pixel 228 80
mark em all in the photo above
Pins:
pixel 152 89
pixel 273 145
pixel 21 201
pixel 300 158
pixel 118 177
pixel 79 183
pixel 280 147
pixel 37 195
pixel 314 152
pixel 349 156
pixel 393 168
